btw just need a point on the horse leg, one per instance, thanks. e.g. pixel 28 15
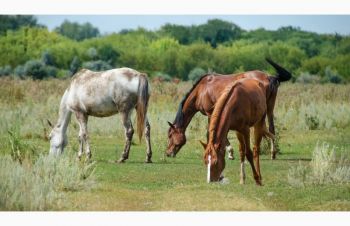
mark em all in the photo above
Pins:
pixel 249 155
pixel 83 137
pixel 270 135
pixel 272 131
pixel 129 132
pixel 148 142
pixel 229 149
pixel 258 134
pixel 242 156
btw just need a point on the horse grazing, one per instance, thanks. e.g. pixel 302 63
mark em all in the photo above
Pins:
pixel 242 105
pixel 102 94
pixel 205 93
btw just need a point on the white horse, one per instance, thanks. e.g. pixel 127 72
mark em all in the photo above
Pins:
pixel 103 94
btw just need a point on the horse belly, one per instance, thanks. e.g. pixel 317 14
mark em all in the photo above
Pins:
pixel 105 110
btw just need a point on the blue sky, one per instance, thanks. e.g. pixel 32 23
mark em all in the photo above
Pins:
pixel 114 23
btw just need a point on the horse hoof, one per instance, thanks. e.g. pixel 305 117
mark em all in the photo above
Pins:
pixel 231 158
pixel 120 161
pixel 148 161
pixel 259 183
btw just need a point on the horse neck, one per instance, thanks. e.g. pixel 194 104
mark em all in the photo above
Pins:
pixel 189 110
pixel 64 114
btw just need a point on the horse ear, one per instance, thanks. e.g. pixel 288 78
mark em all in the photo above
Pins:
pixel 203 144
pixel 50 124
pixel 171 125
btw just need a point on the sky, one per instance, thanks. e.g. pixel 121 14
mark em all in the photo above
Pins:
pixel 113 23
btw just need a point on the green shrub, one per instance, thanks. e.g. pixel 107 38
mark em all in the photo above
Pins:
pixel 41 186
pixel 162 76
pixel 19 71
pixel 6 70
pixel 35 69
pixel 97 65
pixel 196 73
pixel 324 168
pixel 332 76
pixel 312 122
pixel 307 78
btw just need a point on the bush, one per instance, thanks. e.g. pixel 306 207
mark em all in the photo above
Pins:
pixel 75 65
pixel 161 76
pixel 6 70
pixel 20 150
pixel 51 71
pixel 92 53
pixel 196 73
pixel 97 65
pixel 307 78
pixel 41 186
pixel 332 76
pixel 47 58
pixel 324 168
pixel 35 69
pixel 19 71
pixel 312 121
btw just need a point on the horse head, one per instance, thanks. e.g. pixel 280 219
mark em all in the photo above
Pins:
pixel 58 140
pixel 214 158
pixel 176 139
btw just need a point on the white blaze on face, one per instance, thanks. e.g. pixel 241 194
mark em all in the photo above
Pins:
pixel 209 164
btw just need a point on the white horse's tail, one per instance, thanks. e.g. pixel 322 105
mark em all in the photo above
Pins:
pixel 142 104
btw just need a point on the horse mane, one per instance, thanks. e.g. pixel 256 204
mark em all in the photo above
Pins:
pixel 218 109
pixel 179 114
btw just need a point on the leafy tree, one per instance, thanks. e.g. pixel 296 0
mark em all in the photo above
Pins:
pixel 14 22
pixel 77 31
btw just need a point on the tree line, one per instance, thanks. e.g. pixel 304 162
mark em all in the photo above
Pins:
pixel 172 51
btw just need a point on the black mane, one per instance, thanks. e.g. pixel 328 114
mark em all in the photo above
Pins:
pixel 179 115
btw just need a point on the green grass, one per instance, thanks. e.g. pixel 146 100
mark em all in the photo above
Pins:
pixel 180 183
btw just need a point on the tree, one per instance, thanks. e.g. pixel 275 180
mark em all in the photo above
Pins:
pixel 14 22
pixel 77 31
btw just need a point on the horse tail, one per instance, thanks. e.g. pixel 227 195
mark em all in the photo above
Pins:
pixel 282 74
pixel 142 104
pixel 216 115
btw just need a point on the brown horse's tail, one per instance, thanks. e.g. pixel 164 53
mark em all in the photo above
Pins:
pixel 282 74
pixel 142 104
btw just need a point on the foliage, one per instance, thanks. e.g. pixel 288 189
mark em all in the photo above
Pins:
pixel 196 73
pixel 324 168
pixel 6 70
pixel 77 31
pixel 175 50
pixel 14 22
pixel 35 69
pixel 40 186
pixel 75 65
pixel 97 65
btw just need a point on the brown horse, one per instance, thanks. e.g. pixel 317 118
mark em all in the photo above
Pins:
pixel 242 105
pixel 204 94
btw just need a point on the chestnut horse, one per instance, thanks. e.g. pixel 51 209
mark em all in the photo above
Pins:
pixel 204 94
pixel 242 105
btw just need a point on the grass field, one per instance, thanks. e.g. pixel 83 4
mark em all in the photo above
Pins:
pixel 305 115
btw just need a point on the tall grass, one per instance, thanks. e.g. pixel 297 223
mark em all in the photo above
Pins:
pixel 325 168
pixel 41 186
